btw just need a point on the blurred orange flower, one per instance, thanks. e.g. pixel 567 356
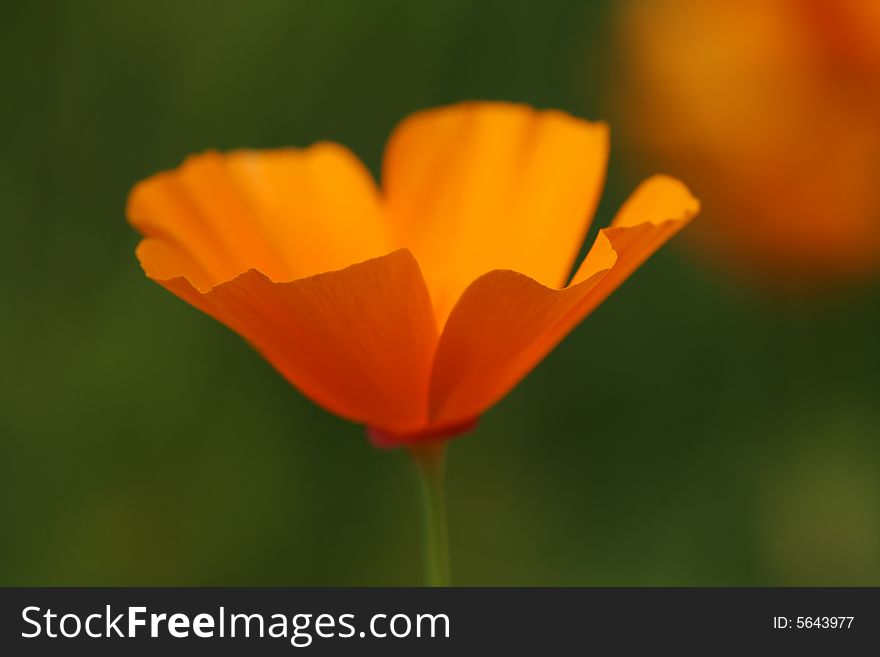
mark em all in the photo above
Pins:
pixel 411 309
pixel 771 108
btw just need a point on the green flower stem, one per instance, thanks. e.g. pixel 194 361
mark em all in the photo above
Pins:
pixel 430 459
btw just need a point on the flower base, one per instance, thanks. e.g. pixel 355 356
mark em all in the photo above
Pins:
pixel 388 439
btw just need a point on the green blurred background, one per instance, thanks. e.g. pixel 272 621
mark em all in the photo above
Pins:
pixel 690 432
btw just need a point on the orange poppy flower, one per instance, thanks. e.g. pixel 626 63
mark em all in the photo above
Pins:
pixel 771 108
pixel 412 308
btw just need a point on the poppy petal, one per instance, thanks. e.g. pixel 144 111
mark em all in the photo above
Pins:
pixel 482 186
pixel 358 341
pixel 657 209
pixel 288 213
pixel 506 322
